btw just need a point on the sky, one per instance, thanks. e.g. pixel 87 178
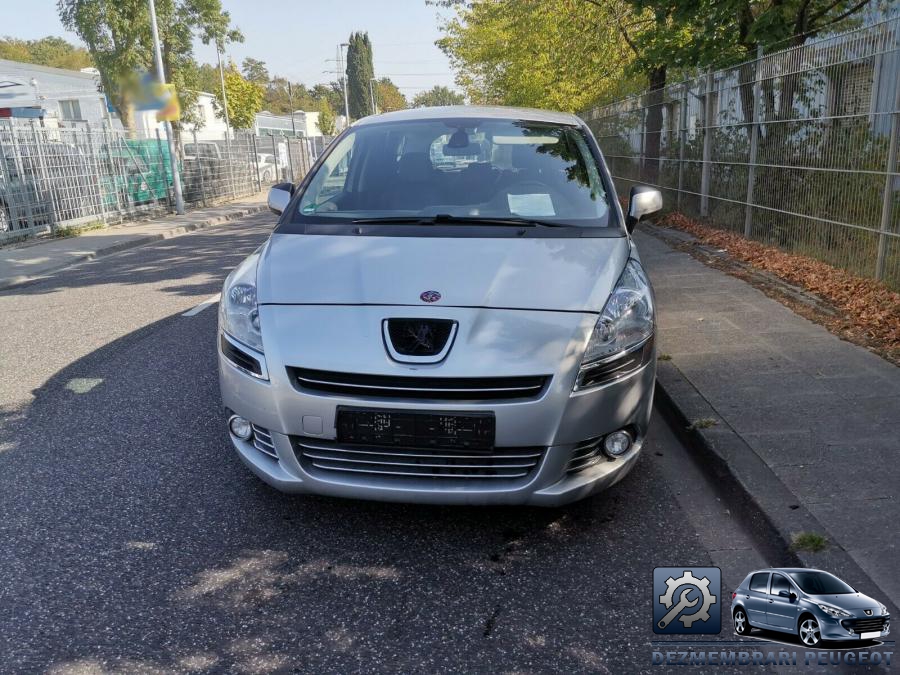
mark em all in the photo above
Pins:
pixel 295 38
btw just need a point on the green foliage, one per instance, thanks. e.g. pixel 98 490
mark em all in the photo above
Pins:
pixel 255 70
pixel 245 99
pixel 326 122
pixel 388 97
pixel 49 51
pixel 560 54
pixel 808 541
pixel 437 95
pixel 359 72
pixel 118 37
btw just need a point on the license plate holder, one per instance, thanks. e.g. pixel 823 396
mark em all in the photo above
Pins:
pixel 416 428
pixel 870 635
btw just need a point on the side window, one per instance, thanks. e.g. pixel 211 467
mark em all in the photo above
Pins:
pixel 779 583
pixel 329 179
pixel 760 582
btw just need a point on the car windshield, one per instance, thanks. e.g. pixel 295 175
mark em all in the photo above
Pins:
pixel 459 170
pixel 820 583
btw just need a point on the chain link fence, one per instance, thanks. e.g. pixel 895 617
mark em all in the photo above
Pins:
pixel 54 179
pixel 798 148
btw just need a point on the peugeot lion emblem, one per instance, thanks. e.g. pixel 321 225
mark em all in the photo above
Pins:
pixel 430 296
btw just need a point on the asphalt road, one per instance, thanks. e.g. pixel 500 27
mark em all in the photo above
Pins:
pixel 133 539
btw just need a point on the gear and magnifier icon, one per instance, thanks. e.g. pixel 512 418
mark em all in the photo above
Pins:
pixel 675 608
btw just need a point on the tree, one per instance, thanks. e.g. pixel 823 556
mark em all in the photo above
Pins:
pixel 255 71
pixel 118 36
pixel 359 72
pixel 326 118
pixel 49 51
pixel 388 97
pixel 245 99
pixel 437 95
pixel 558 54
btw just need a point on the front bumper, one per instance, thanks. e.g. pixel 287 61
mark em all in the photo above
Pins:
pixel 835 630
pixel 556 422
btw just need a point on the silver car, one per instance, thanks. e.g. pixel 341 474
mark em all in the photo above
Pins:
pixel 450 310
pixel 814 605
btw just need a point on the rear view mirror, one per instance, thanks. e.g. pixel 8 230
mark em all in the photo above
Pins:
pixel 279 197
pixel 642 202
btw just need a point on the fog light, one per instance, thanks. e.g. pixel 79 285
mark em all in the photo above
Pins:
pixel 240 427
pixel 617 443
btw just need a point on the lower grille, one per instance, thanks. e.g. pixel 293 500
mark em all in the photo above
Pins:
pixel 262 441
pixel 329 458
pixel 865 625
pixel 586 454
pixel 443 388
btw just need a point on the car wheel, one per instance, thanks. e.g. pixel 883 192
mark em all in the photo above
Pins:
pixel 741 625
pixel 267 176
pixel 809 632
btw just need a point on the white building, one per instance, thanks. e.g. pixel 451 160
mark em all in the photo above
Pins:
pixel 65 96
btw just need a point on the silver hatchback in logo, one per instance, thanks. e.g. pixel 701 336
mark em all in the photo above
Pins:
pixel 429 296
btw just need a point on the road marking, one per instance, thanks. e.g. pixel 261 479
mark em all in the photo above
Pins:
pixel 203 305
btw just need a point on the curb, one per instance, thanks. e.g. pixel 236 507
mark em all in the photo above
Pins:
pixel 749 487
pixel 178 230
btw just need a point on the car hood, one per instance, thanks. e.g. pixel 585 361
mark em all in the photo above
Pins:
pixel 847 600
pixel 561 274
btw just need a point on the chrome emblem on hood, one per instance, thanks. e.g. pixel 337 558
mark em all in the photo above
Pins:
pixel 430 296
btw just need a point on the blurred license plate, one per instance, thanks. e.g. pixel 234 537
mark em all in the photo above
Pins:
pixel 415 429
pixel 869 636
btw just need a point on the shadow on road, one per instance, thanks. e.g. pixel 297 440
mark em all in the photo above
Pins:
pixel 140 542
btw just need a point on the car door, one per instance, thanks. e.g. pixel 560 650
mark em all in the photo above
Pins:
pixel 756 598
pixel 781 611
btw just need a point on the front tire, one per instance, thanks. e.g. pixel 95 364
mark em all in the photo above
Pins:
pixel 809 632
pixel 741 625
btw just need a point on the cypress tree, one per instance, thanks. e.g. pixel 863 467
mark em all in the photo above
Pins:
pixel 359 71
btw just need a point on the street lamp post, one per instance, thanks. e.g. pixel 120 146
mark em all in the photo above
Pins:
pixel 372 95
pixel 291 102
pixel 161 75
pixel 344 78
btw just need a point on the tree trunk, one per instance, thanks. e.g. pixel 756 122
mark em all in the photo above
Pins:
pixel 653 128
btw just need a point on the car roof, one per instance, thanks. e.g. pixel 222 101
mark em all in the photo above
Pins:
pixel 474 112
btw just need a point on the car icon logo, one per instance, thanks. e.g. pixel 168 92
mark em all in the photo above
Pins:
pixel 430 296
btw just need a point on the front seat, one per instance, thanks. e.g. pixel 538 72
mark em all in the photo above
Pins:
pixel 416 183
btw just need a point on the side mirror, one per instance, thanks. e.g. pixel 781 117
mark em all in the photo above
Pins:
pixel 642 202
pixel 787 594
pixel 279 197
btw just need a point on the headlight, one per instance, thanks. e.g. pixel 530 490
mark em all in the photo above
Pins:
pixel 833 611
pixel 238 311
pixel 884 610
pixel 627 319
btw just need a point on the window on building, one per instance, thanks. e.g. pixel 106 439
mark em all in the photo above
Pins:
pixel 70 110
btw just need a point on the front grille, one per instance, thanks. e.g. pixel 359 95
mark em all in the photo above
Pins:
pixel 419 337
pixel 330 459
pixel 262 441
pixel 867 625
pixel 586 454
pixel 440 388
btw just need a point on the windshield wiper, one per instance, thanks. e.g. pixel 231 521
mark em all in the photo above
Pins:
pixel 462 220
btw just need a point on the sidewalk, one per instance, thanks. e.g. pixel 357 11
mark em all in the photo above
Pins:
pixel 807 424
pixel 34 259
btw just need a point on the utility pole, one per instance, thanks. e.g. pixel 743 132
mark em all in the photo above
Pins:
pixel 344 78
pixel 161 75
pixel 222 80
pixel 291 100
pixel 372 95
